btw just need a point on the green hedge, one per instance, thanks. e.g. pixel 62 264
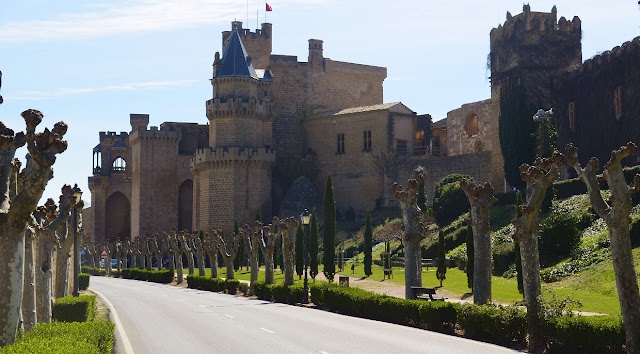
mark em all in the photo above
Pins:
pixel 579 334
pixel 74 309
pixel 62 337
pixel 93 271
pixel 83 281
pixel 503 325
pixel 229 286
pixel 156 276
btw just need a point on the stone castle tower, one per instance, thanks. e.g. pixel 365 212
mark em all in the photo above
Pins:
pixel 232 177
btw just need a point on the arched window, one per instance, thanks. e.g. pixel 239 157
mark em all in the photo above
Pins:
pixel 119 165
pixel 471 125
pixel 117 218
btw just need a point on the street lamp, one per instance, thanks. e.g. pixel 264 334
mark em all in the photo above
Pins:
pixel 77 195
pixel 305 217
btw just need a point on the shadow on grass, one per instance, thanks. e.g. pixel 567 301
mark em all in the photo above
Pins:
pixel 466 296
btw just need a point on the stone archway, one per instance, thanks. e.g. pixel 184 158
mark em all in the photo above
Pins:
pixel 117 218
pixel 471 125
pixel 185 205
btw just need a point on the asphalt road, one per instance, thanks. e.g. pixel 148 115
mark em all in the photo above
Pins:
pixel 156 318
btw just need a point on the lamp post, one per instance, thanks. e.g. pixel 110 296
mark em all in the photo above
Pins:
pixel 305 217
pixel 77 194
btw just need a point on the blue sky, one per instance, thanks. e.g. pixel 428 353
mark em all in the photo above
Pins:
pixel 92 63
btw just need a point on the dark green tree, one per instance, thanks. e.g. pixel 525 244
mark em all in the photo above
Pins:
pixel 313 245
pixel 237 262
pixel 470 256
pixel 517 246
pixel 329 240
pixel 516 130
pixel 300 251
pixel 368 245
pixel 442 262
pixel 449 201
pixel 258 215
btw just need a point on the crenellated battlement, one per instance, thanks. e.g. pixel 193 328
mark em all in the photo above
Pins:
pixel 156 133
pixel 232 154
pixel 629 49
pixel 531 26
pixel 225 107
pixel 104 136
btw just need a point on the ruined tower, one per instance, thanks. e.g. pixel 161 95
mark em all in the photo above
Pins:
pixel 232 177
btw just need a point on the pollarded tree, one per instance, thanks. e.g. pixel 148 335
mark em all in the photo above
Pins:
pixel 267 245
pixel 288 248
pixel 368 245
pixel 470 256
pixel 538 177
pixel 228 247
pixel 329 240
pixel 441 271
pixel 481 199
pixel 211 246
pixel 185 241
pixel 300 251
pixel 198 247
pixel 176 252
pixel 237 262
pixel 14 212
pixel 313 246
pixel 616 214
pixel 414 231
pixel 251 243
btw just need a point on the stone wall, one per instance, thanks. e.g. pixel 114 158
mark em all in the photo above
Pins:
pixel 470 128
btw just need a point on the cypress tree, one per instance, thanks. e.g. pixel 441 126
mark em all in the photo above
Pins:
pixel 517 246
pixel 300 251
pixel 329 240
pixel 470 256
pixel 313 245
pixel 442 263
pixel 368 245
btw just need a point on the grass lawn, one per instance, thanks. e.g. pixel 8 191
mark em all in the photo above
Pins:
pixel 243 274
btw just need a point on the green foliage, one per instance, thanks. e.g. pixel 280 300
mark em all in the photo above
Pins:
pixel 329 241
pixel 442 262
pixel 74 309
pixel 261 290
pixel 64 337
pixel 516 129
pixel 291 294
pixel 299 249
pixel 449 201
pixel 93 271
pixel 580 334
pixel 368 245
pixel 288 168
pixel 83 281
pixel 470 257
pixel 503 257
pixel 508 198
pixel 502 325
pixel 439 316
pixel 546 138
pixel 231 285
pixel 559 236
pixel 313 245
pixel 163 276
pixel 517 247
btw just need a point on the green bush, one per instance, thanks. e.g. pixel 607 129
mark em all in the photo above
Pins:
pixel 503 257
pixel 504 199
pixel 449 201
pixel 62 337
pixel 244 288
pixel 83 281
pixel 317 293
pixel 261 290
pixel 193 282
pixel 559 236
pixel 494 324
pixel 439 316
pixel 93 271
pixel 278 292
pixel 231 285
pixel 74 309
pixel 580 334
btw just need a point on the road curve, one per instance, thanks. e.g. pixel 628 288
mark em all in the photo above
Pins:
pixel 159 318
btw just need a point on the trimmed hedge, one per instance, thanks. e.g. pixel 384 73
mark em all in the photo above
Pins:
pixel 93 271
pixel 156 276
pixel 83 281
pixel 503 325
pixel 74 309
pixel 230 286
pixel 62 337
pixel 595 334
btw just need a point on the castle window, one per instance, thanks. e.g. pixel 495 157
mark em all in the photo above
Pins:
pixel 119 165
pixel 401 147
pixel 367 140
pixel 471 125
pixel 572 116
pixel 617 101
pixel 341 143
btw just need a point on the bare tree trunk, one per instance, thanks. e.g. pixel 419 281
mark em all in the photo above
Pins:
pixel 44 277
pixel 212 250
pixel 166 247
pixel 61 270
pixel 481 199
pixel 289 249
pixel 267 249
pixel 177 255
pixel 616 215
pixel 184 243
pixel 251 243
pixel 29 315
pixel 539 177
pixel 228 249
pixel 414 224
pixel 155 250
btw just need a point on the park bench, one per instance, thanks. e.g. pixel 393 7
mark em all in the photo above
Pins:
pixel 426 294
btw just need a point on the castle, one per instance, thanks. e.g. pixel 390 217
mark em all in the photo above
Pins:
pixel 267 108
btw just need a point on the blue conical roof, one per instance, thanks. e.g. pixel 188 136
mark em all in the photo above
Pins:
pixel 236 62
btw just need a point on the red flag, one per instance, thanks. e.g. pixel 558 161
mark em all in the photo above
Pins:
pixel 269 8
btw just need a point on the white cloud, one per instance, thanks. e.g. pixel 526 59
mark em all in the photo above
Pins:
pixel 63 92
pixel 122 17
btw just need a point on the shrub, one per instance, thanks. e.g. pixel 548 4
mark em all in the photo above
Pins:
pixel 83 281
pixel 193 282
pixel 494 324
pixel 449 201
pixel 163 276
pixel 503 257
pixel 62 337
pixel 508 198
pixel 93 271
pixel 261 290
pixel 74 309
pixel 317 293
pixel 559 236
pixel 231 285
pixel 580 334
pixel 244 288
pixel 439 316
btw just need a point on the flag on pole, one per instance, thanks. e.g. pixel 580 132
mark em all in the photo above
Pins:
pixel 269 8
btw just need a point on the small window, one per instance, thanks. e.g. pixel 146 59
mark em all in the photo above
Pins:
pixel 401 147
pixel 617 101
pixel 572 116
pixel 471 125
pixel 119 165
pixel 367 140
pixel 341 143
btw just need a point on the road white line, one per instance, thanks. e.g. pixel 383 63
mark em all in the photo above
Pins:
pixel 228 315
pixel 201 305
pixel 323 352
pixel 266 330
pixel 128 349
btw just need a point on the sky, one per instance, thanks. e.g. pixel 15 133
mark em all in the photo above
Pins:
pixel 90 63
